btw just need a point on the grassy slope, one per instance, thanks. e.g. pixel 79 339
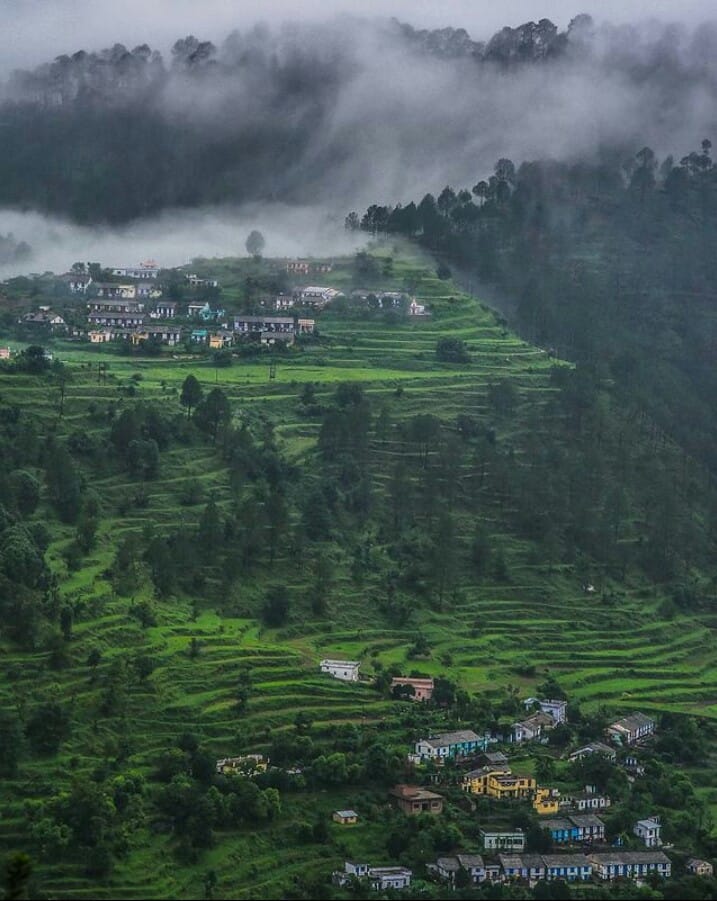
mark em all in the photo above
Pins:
pixel 622 656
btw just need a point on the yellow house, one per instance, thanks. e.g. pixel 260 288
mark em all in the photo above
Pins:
pixel 498 783
pixel 99 337
pixel 216 342
pixel 476 781
pixel 545 802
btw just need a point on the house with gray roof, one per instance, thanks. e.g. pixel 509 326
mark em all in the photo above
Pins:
pixel 631 729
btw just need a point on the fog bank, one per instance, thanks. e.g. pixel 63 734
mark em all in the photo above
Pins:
pixel 175 237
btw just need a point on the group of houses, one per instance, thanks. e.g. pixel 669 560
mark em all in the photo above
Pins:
pixel 390 300
pixel 46 319
pixel 137 281
pixel 127 319
pixel 121 315
pixel 604 866
pixel 546 715
pixel 379 878
pixel 543 715
pixel 466 743
pixel 132 307
pixel 246 765
pixel 308 267
pixel 531 868
pixel 506 849
pixel 415 688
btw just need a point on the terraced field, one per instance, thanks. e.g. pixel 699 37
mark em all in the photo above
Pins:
pixel 617 653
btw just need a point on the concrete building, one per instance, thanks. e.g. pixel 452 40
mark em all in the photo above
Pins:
pixel 345 817
pixel 449 744
pixel 413 800
pixel 635 865
pixel 503 841
pixel 448 867
pixel 649 831
pixel 346 670
pixel 557 709
pixel 631 729
pixel 148 269
pixel 422 688
pixel 699 867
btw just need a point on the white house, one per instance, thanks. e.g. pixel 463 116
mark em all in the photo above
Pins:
pixel 531 728
pixel 346 670
pixel 587 800
pixel 503 841
pixel 556 708
pixel 522 866
pixel 352 869
pixel 631 729
pixel 300 266
pixel 164 309
pixel 44 317
pixel 381 878
pixel 650 831
pixel 700 867
pixel 447 867
pixel 147 291
pixel 534 867
pixel 570 867
pixel 630 864
pixel 246 765
pixel 196 282
pixel 449 744
pixel 595 747
pixel 315 295
pixel 148 269
pixel 77 282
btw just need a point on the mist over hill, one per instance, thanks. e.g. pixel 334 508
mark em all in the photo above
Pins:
pixel 340 113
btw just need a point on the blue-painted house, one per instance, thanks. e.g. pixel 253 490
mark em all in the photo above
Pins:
pixel 570 867
pixel 533 867
pixel 451 744
pixel 522 866
pixel 562 830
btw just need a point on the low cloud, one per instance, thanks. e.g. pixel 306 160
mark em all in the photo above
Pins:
pixel 324 116
pixel 174 238
pixel 37 30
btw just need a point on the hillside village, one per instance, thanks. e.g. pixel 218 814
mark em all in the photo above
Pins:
pixel 138 306
pixel 567 840
pixel 322 736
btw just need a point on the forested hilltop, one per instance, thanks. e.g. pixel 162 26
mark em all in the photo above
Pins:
pixel 337 111
pixel 608 263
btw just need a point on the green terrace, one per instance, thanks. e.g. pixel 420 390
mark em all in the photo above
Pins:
pixel 619 654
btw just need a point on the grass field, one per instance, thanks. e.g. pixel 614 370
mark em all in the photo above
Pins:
pixel 616 654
